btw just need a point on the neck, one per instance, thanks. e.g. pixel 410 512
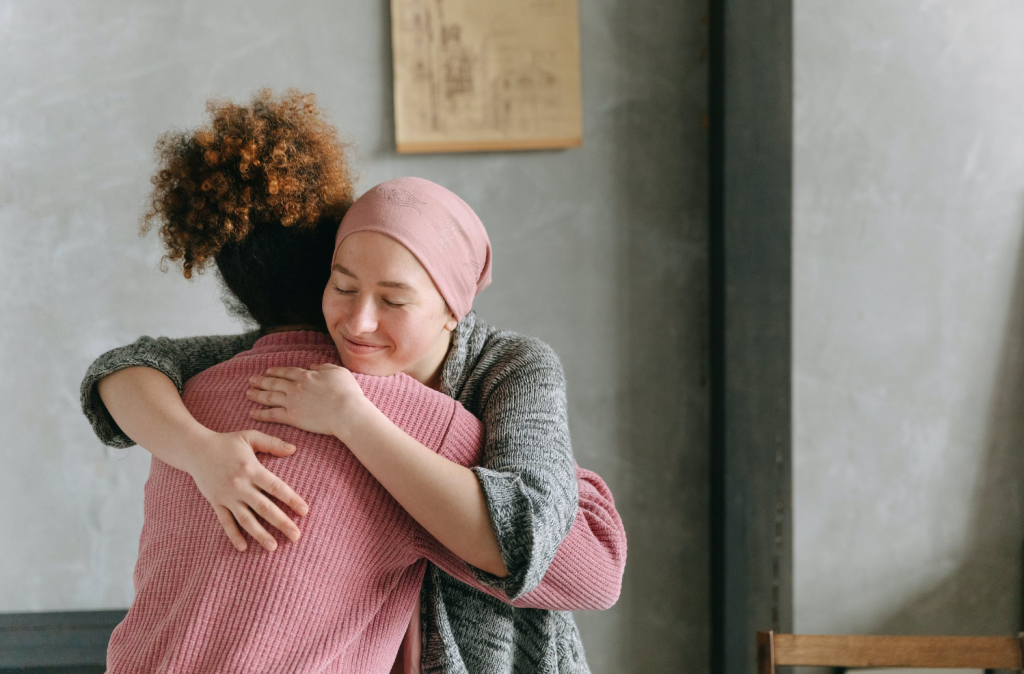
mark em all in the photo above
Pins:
pixel 434 381
pixel 428 370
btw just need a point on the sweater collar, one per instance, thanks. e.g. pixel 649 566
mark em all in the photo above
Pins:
pixel 294 339
pixel 467 344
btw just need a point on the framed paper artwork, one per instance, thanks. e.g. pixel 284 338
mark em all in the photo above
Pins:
pixel 478 75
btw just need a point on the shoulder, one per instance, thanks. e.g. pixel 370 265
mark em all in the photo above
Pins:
pixel 227 345
pixel 510 359
pixel 511 352
pixel 213 355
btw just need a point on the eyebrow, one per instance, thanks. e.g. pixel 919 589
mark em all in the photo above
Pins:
pixel 383 284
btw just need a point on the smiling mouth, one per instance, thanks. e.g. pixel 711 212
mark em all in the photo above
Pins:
pixel 361 348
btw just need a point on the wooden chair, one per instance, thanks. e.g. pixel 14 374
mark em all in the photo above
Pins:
pixel 880 651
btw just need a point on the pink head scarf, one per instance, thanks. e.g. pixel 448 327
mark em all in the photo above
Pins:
pixel 438 227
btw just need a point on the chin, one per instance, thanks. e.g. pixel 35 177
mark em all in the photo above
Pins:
pixel 360 366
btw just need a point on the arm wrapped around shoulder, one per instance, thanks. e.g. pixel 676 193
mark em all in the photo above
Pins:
pixel 527 471
pixel 179 359
pixel 586 573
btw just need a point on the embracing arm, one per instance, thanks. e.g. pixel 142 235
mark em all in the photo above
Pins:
pixel 509 515
pixel 586 573
pixel 560 537
pixel 443 496
pixel 133 394
pixel 527 471
pixel 177 359
pixel 505 517
pixel 145 407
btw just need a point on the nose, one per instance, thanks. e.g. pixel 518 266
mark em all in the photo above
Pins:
pixel 363 318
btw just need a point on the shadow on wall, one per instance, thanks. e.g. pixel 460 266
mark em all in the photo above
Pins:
pixel 983 595
pixel 661 174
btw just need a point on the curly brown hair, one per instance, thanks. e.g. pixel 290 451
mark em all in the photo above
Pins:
pixel 260 190
pixel 272 161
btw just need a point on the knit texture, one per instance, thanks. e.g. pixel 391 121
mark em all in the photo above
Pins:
pixel 202 606
pixel 516 386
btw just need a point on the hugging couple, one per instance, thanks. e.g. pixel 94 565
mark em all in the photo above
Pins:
pixel 403 468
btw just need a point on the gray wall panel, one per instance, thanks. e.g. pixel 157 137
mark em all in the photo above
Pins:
pixel 909 316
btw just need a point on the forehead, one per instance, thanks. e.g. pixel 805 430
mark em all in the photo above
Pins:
pixel 376 257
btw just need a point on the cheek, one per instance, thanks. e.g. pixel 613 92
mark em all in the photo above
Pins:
pixel 405 333
pixel 329 305
pixel 336 308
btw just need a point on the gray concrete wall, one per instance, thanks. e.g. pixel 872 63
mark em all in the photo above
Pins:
pixel 600 251
pixel 909 316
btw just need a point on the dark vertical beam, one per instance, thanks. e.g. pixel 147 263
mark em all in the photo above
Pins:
pixel 751 115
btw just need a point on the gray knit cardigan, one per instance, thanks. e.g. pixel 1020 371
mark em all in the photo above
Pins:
pixel 516 386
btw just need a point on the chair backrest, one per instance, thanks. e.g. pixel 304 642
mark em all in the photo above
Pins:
pixel 884 651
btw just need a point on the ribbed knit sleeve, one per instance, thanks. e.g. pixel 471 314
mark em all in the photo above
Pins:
pixel 179 359
pixel 586 573
pixel 527 472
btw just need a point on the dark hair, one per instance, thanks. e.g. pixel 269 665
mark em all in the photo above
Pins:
pixel 278 274
pixel 260 190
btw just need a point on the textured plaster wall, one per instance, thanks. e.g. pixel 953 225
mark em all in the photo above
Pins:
pixel 600 251
pixel 909 316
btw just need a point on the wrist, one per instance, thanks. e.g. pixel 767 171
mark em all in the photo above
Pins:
pixel 353 422
pixel 186 447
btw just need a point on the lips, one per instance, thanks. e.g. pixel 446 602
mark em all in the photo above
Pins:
pixel 358 348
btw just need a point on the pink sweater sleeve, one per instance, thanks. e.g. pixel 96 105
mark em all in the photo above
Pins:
pixel 586 572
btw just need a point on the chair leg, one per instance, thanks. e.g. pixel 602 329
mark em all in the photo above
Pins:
pixel 766 652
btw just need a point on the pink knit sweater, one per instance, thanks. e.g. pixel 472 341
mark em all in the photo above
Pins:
pixel 341 598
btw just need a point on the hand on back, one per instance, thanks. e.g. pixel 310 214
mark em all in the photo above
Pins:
pixel 322 399
pixel 236 484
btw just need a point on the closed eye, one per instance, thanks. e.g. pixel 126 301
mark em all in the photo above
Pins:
pixel 394 305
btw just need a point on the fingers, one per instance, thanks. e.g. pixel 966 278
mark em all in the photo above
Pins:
pixel 289 373
pixel 261 442
pixel 270 398
pixel 270 513
pixel 269 383
pixel 277 488
pixel 324 366
pixel 275 415
pixel 247 520
pixel 230 528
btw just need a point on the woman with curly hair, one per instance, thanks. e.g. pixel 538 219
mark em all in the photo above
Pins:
pixel 365 330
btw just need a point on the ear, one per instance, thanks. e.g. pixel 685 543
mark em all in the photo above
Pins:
pixel 452 322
